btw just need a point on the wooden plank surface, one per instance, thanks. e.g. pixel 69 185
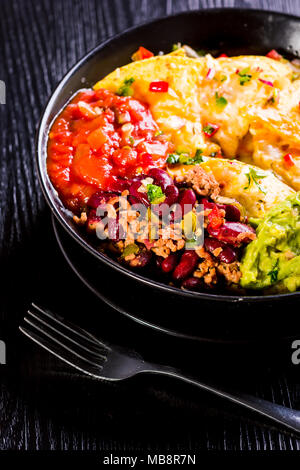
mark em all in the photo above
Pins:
pixel 43 405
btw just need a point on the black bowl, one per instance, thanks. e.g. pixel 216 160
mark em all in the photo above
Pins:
pixel 234 31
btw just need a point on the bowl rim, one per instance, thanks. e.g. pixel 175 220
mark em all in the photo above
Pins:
pixel 43 178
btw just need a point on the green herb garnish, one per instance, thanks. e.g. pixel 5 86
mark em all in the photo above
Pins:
pixel 126 89
pixel 131 249
pixel 157 133
pixel 244 76
pixel 274 273
pixel 295 76
pixel 173 158
pixel 201 52
pixel 176 46
pixel 223 78
pixel 253 177
pixel 221 102
pixel 208 129
pixel 185 158
pixel 155 194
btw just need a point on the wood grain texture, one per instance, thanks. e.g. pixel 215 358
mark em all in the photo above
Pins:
pixel 43 405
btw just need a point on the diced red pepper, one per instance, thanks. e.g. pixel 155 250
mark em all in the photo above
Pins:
pixel 86 110
pixel 288 160
pixel 210 129
pixel 215 218
pixel 274 55
pixel 210 74
pixel 96 139
pixel 266 82
pixel 222 55
pixel 142 53
pixel 159 86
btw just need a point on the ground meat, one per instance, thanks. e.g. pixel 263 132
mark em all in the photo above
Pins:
pixel 231 271
pixel 210 268
pixel 202 182
pixel 163 247
pixel 246 236
pixel 80 220
pixel 206 268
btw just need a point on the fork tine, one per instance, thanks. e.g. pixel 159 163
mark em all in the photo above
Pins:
pixel 60 353
pixel 59 331
pixel 76 330
pixel 70 348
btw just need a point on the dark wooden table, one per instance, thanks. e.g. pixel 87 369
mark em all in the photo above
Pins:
pixel 43 404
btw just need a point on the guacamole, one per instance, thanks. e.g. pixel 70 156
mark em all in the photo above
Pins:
pixel 273 259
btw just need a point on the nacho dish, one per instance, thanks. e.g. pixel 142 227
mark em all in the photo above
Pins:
pixel 188 137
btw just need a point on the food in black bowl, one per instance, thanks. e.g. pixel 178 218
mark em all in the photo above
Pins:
pixel 221 115
pixel 163 132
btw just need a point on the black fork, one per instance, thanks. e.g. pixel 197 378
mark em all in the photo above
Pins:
pixel 81 350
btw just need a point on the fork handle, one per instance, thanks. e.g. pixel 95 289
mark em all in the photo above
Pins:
pixel 286 416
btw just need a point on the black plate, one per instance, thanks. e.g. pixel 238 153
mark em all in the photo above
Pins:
pixel 253 32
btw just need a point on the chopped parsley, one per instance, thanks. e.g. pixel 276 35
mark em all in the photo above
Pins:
pixel 201 52
pixel 157 133
pixel 176 46
pixel 244 76
pixel 185 158
pixel 209 129
pixel 274 273
pixel 221 102
pixel 295 76
pixel 155 194
pixel 223 78
pixel 131 249
pixel 126 89
pixel 253 177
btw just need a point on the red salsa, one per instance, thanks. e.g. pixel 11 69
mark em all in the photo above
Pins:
pixel 100 139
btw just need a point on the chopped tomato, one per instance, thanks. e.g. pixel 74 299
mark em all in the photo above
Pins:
pixel 222 55
pixel 86 110
pixel 88 148
pixel 215 218
pixel 159 86
pixel 142 53
pixel 96 139
pixel 210 129
pixel 288 160
pixel 274 55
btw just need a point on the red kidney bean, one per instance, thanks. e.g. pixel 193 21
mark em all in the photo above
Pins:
pixel 100 197
pixel 211 244
pixel 186 198
pixel 161 178
pixel 232 213
pixel 141 198
pixel 138 178
pixel 144 258
pixel 192 283
pixel 187 264
pixel 229 231
pixel 172 194
pixel 228 253
pixel 121 184
pixel 158 261
pixel 169 263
